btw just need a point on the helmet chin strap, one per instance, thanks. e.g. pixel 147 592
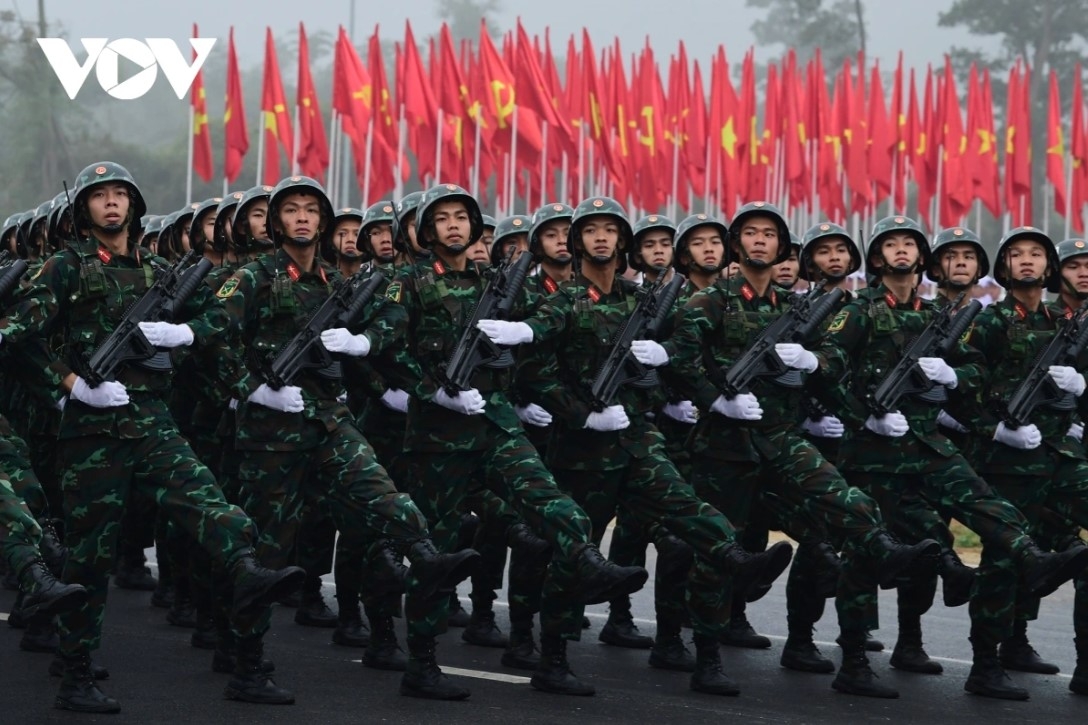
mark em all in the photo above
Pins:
pixel 301 241
pixel 566 262
pixel 1071 290
pixel 455 249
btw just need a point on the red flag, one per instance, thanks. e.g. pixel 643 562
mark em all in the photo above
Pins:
pixel 277 122
pixel 620 100
pixel 1055 146
pixel 565 132
pixel 419 106
pixel 981 159
pixel 1018 147
pixel 956 192
pixel 830 151
pixel 313 148
pixel 856 138
pixel 925 162
pixel 1079 159
pixel 881 138
pixel 202 135
pixel 384 147
pixel 899 137
pixel 597 110
pixel 694 132
pixel 765 157
pixel 532 87
pixel 794 161
pixel 453 100
pixel 747 122
pixel 654 179
pixel 235 131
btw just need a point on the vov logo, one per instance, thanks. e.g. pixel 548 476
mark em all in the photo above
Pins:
pixel 103 54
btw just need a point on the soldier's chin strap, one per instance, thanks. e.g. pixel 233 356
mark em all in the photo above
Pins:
pixel 1071 290
pixel 1026 282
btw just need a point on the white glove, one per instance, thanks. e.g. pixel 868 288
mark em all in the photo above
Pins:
pixel 827 427
pixel 937 370
pixel 287 399
pixel 742 407
pixel 684 411
pixel 1076 431
pixel 338 339
pixel 109 394
pixel 342 398
pixel 944 419
pixel 796 356
pixel 649 353
pixel 466 402
pixel 506 333
pixel 395 399
pixel 614 417
pixel 164 334
pixel 533 414
pixel 892 425
pixel 233 404
pixel 1025 437
pixel 1068 379
pixel 59 405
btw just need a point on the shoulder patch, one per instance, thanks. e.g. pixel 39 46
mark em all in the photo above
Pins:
pixel 839 322
pixel 228 288
pixel 393 292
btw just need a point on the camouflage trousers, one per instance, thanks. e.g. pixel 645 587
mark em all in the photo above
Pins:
pixel 630 537
pixel 676 443
pixel 819 503
pixel 19 532
pixel 652 490
pixel 996 603
pixel 513 471
pixel 15 463
pixel 100 473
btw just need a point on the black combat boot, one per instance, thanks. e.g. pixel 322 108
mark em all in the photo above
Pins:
pixel 459 616
pixel 386 572
pixel 1017 654
pixel 56 668
pixel 312 610
pixel 872 644
pixel 434 571
pixel 250 682
pixel 856 677
pixel 383 652
pixel 44 595
pixel 182 611
pixel 350 630
pixel 52 550
pixel 224 659
pixel 753 574
pixel 909 655
pixel 1079 683
pixel 520 536
pixel 1043 572
pixel 801 653
pixel 740 633
pixel 620 630
pixel 40 634
pixel 132 573
pixel 709 677
pixel 482 630
pixel 668 651
pixel 521 652
pixel 989 679
pixel 78 690
pixel 423 678
pixel 599 580
pixel 256 586
pixel 826 567
pixel 890 561
pixel 553 674
pixel 956 579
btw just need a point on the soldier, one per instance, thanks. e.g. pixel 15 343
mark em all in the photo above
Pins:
pixel 249 228
pixel 1035 465
pixel 345 247
pixel 651 252
pixel 610 457
pixel 511 238
pixel 788 271
pixel 405 240
pixel 902 452
pixel 959 261
pixel 9 233
pixel 222 233
pixel 118 436
pixel 458 437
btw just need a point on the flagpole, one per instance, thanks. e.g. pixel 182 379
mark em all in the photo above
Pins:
pixel 1069 211
pixel 675 170
pixel 295 143
pixel 366 160
pixel 512 176
pixel 581 161
pixel 1048 197
pixel 402 131
pixel 543 166
pixel 260 149
pixel 189 168
pixel 813 175
pixel 345 168
pixel 937 197
pixel 706 183
pixel 476 161
pixel 891 196
pixel 333 150
pixel 978 216
pixel 438 149
pixel 563 176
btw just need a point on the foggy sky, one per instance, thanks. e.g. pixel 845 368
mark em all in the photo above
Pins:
pixel 702 24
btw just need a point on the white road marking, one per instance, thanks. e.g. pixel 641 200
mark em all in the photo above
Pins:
pixel 483 675
pixel 3 616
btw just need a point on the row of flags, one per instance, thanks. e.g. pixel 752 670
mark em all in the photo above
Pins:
pixel 829 145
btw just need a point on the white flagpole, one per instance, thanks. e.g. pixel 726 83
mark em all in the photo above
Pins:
pixel 295 143
pixel 438 149
pixel 402 131
pixel 366 162
pixel 260 150
pixel 476 161
pixel 512 176
pixel 189 167
pixel 543 169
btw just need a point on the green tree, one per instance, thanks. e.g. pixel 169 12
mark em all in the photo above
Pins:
pixel 463 16
pixel 837 27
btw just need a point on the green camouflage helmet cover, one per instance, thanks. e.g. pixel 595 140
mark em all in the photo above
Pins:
pixel 891 225
pixel 100 173
pixel 683 231
pixel 767 209
pixel 329 252
pixel 958 235
pixel 1070 248
pixel 224 213
pixel 511 225
pixel 300 185
pixel 825 230
pixel 489 222
pixel 1052 283
pixel 208 206
pixel 239 222
pixel 407 206
pixel 543 215
pixel 440 193
pixel 645 224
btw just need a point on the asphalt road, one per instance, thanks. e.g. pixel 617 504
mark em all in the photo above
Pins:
pixel 159 678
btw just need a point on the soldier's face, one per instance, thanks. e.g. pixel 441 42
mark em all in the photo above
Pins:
pixel 108 204
pixel 706 248
pixel 300 216
pixel 832 257
pixel 786 272
pixel 452 226
pixel 381 239
pixel 900 250
pixel 959 263
pixel 1026 259
pixel 488 237
pixel 346 237
pixel 1075 271
pixel 759 238
pixel 209 225
pixel 480 252
pixel 516 244
pixel 600 236
pixel 553 240
pixel 656 248
pixel 183 237
pixel 257 218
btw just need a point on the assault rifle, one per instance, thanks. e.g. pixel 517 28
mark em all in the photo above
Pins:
pixel 1038 388
pixel 760 360
pixel 936 340
pixel 475 349
pixel 304 350
pixel 620 367
pixel 126 343
pixel 11 271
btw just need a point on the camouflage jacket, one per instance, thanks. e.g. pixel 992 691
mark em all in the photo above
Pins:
pixel 1010 336
pixel 863 342
pixel 80 294
pixel 719 323
pixel 268 301
pixel 439 302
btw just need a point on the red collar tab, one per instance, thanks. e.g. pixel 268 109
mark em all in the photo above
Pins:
pixel 105 255
pixel 747 292
pixel 293 272
pixel 321 274
pixel 916 303
pixel 549 285
pixel 439 268
pixel 1021 311
pixel 594 293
